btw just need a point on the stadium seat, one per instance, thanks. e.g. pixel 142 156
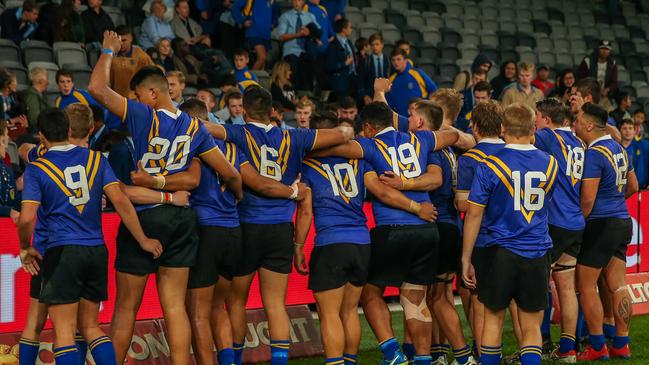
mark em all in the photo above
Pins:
pixel 633 62
pixel 629 89
pixel 507 13
pixel 623 76
pixel 526 40
pixel 523 14
pixel 360 3
pixel 429 50
pixel 433 20
pixel 13 4
pixel 379 4
pixel 626 46
pixel 638 75
pixel 390 33
pixel 637 33
pixel 51 68
pixel 471 40
pixel 489 13
pixel 411 34
pixel 643 92
pixel 115 14
pixel 507 40
pixel 437 7
pixel 69 55
pixel 578 45
pixel 17 69
pixel 81 73
pixel 399 5
pixel 373 16
pixel 509 54
pixel 472 12
pixel 555 14
pixel 354 15
pixel 529 57
pixel 448 69
pixel 525 27
pixel 489 40
pixel 395 17
pixel 541 26
pixel 189 92
pixel 418 5
pixel 36 51
pixel 509 27
pixel 366 29
pixel 450 52
pixel 450 36
pixel 544 44
pixel 431 35
pixel 561 44
pixel 453 23
pixel 9 50
pixel 454 9
pixel 491 52
pixel 428 66
pixel 547 58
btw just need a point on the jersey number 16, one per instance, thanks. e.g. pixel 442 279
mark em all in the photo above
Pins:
pixel 529 190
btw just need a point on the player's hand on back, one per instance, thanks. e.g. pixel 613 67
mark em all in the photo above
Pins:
pixel 181 198
pixel 391 179
pixel 140 177
pixel 299 260
pixel 468 275
pixel 112 41
pixel 29 258
pixel 427 212
pixel 152 246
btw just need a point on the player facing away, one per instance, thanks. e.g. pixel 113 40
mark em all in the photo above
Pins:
pixel 429 116
pixel 510 192
pixel 607 181
pixel 566 222
pixel 340 261
pixel 399 233
pixel 266 223
pixel 68 182
pixel 487 120
pixel 166 141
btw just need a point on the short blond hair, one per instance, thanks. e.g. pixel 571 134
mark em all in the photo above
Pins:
pixel 37 74
pixel 177 74
pixel 81 119
pixel 524 66
pixel 306 103
pixel 449 100
pixel 518 120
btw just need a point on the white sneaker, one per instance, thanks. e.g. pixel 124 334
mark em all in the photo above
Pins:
pixel 471 361
pixel 442 360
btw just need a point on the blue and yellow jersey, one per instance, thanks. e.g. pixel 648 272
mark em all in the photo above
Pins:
pixel 275 154
pixel 468 162
pixel 406 154
pixel 338 188
pixel 400 123
pixel 569 151
pixel 514 186
pixel 39 238
pixel 408 84
pixel 638 153
pixel 68 183
pixel 213 203
pixel 164 142
pixel 443 198
pixel 75 96
pixel 607 160
pixel 245 78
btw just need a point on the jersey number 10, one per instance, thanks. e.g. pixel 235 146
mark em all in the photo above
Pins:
pixel 336 179
pixel 529 190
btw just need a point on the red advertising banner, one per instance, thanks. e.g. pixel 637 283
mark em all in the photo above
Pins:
pixel 149 344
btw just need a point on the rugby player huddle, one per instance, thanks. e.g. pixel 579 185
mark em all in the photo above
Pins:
pixel 543 194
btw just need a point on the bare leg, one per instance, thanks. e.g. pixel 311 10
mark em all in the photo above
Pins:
pixel 172 289
pixel 199 306
pixel 273 288
pixel 329 303
pixel 260 62
pixel 236 303
pixel 565 282
pixel 130 289
pixel 420 330
pixel 35 321
pixel 221 326
pixel 516 323
pixel 450 324
pixel 351 321
pixel 493 327
pixel 88 320
pixel 531 328
pixel 64 320
pixel 615 277
pixel 591 304
pixel 377 312
pixel 477 314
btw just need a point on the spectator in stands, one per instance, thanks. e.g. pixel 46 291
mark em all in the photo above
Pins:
pixel 95 22
pixel 464 81
pixel 234 105
pixel 339 61
pixel 227 83
pixel 69 93
pixel 187 28
pixel 209 13
pixel 12 108
pixel 186 63
pixel 294 32
pixel 208 97
pixel 176 80
pixel 480 90
pixel 97 140
pixel 565 82
pixel 280 85
pixel 404 45
pixel 347 109
pixel 230 35
pixel 303 111
pixel 19 24
pixel 507 76
pixel 601 66
pixel 128 61
pixel 376 65
pixel 242 74
pixel 9 193
pixel 258 22
pixel 277 118
pixel 363 50
pixel 641 126
pixel 35 102
pixel 163 55
pixel 335 9
pixel 523 91
pixel 154 26
pixel 542 81
pixel 68 25
pixel 623 110
pixel 637 150
pixel 407 83
pixel 326 26
pixel 169 9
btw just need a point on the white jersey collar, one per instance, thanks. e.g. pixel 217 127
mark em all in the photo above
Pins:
pixel 602 138
pixel 520 147
pixel 62 148
pixel 266 127
pixel 385 130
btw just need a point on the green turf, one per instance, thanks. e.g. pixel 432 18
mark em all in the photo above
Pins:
pixel 369 353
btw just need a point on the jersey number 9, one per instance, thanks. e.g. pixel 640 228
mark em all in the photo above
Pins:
pixel 529 190
pixel 79 184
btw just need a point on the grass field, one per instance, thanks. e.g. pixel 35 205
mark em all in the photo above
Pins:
pixel 369 353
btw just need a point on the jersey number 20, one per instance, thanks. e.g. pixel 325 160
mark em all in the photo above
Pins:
pixel 180 145
pixel 530 191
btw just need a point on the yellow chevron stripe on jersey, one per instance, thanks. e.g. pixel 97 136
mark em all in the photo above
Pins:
pixel 247 10
pixel 504 176
pixel 96 157
pixel 553 174
pixel 316 165
pixel 255 153
pixel 53 176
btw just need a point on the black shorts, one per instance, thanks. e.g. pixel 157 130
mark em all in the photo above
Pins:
pixel 335 265
pixel 72 272
pixel 564 241
pixel 403 254
pixel 510 276
pixel 175 227
pixel 268 246
pixel 480 262
pixel 605 238
pixel 218 251
pixel 450 248
pixel 35 284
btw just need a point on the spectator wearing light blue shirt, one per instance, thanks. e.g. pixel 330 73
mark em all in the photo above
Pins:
pixel 293 31
pixel 155 27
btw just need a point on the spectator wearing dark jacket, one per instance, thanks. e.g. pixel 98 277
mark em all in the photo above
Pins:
pixel 507 76
pixel 95 22
pixel 68 25
pixel 280 85
pixel 375 65
pixel 600 66
pixel 339 61
pixel 463 80
pixel 19 24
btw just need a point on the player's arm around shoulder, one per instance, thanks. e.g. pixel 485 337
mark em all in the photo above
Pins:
pixel 428 181
pixel 445 137
pixel 303 220
pixel 269 187
pixel 351 149
pixel 332 137
pixel 397 199
pixel 185 180
pixel 229 175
